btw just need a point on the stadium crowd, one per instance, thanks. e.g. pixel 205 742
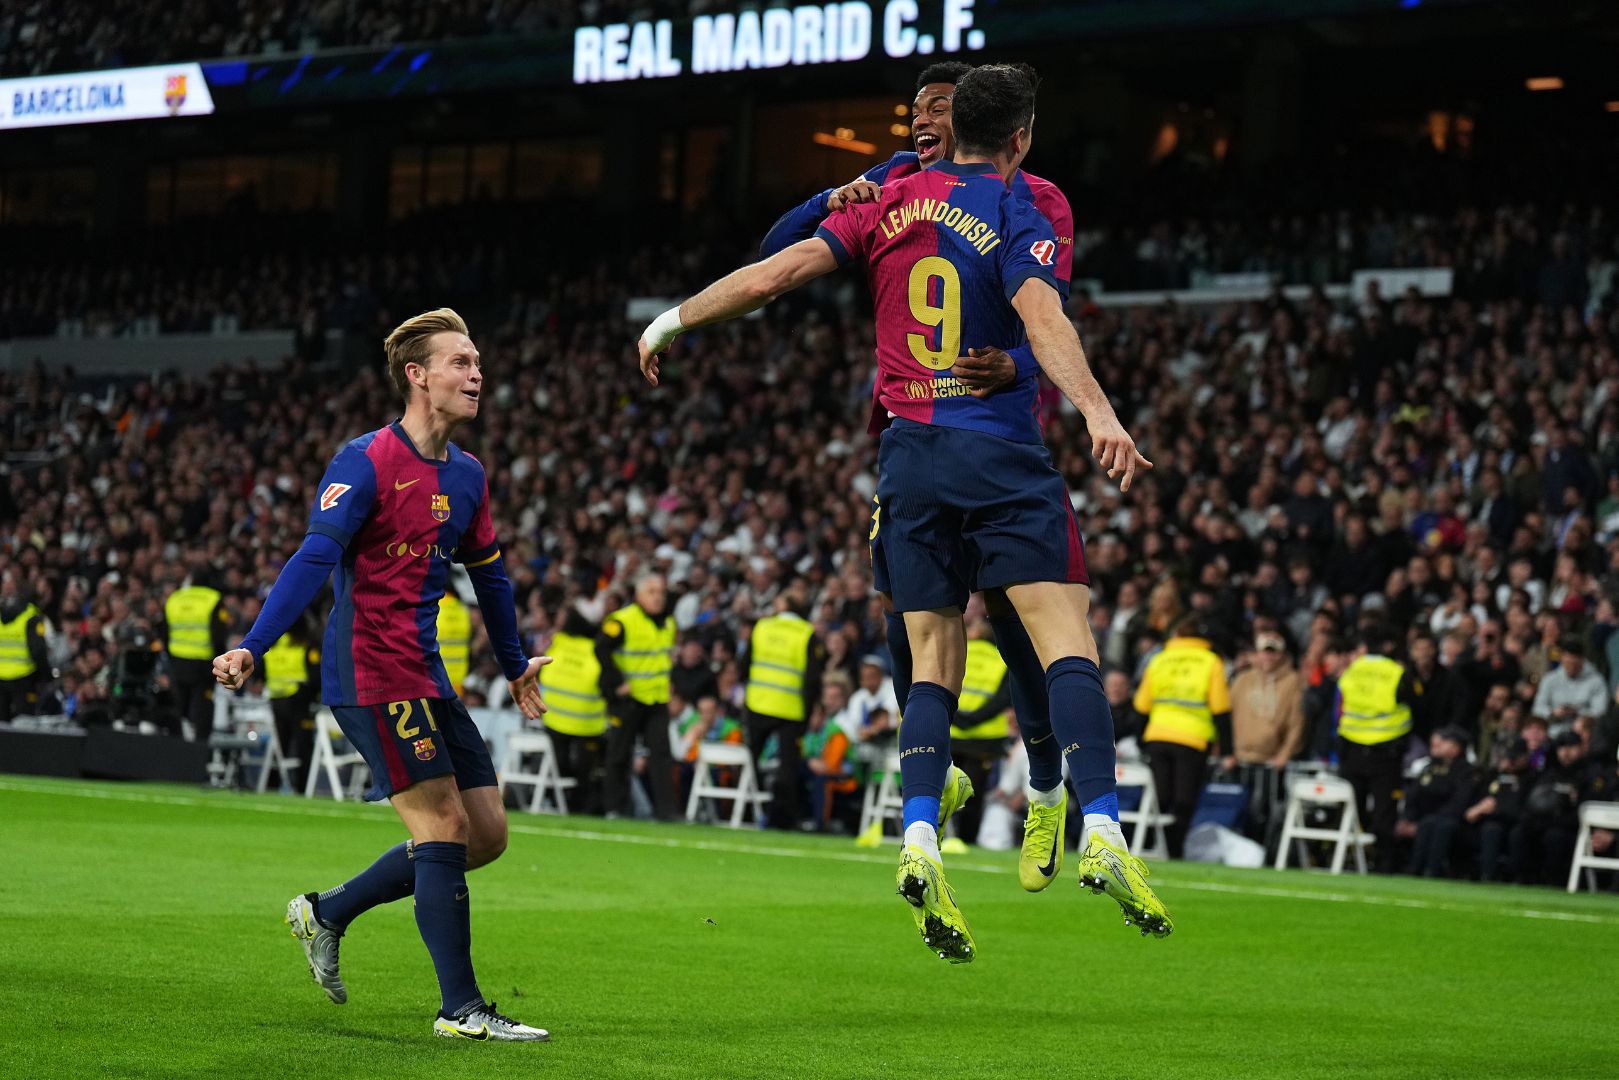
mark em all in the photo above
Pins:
pixel 277 275
pixel 1448 468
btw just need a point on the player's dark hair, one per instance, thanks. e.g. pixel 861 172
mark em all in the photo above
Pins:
pixel 991 103
pixel 945 71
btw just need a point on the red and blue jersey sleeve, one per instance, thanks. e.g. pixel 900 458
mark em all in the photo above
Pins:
pixel 1030 250
pixel 346 496
pixel 848 232
pixel 479 545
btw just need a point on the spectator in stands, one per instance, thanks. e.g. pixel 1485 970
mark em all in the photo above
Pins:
pixel 1441 702
pixel 1267 708
pixel 1572 688
pixel 1436 803
pixel 1496 814
pixel 873 704
pixel 828 764
pixel 693 674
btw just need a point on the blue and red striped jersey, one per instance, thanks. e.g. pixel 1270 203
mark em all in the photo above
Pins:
pixel 400 518
pixel 945 251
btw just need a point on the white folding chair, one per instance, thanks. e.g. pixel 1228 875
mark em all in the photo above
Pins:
pixel 545 779
pixel 1148 838
pixel 328 764
pixel 882 799
pixel 1593 815
pixel 745 796
pixel 1329 793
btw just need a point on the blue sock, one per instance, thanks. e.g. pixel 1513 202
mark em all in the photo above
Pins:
pixel 1083 724
pixel 899 649
pixel 924 750
pixel 444 917
pixel 1107 804
pixel 1029 701
pixel 390 878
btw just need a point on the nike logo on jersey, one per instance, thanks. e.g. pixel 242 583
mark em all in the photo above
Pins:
pixel 401 487
pixel 462 895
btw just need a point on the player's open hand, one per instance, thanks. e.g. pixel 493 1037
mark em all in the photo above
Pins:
pixel 985 371
pixel 857 191
pixel 1116 452
pixel 526 690
pixel 233 669
pixel 649 360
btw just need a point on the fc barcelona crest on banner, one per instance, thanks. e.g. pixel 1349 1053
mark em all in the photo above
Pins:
pixel 441 508
pixel 425 750
pixel 174 92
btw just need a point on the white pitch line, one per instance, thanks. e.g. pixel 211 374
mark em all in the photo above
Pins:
pixel 727 847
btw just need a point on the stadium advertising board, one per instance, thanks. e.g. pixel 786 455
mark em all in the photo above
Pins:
pixel 94 97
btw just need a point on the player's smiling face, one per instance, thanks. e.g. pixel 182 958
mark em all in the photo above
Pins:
pixel 454 377
pixel 931 133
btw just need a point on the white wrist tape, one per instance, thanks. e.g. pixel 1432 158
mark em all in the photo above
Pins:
pixel 663 331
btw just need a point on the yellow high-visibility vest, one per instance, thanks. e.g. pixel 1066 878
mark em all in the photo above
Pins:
pixel 286 667
pixel 645 654
pixel 454 638
pixel 15 660
pixel 1184 686
pixel 1372 713
pixel 571 687
pixel 985 672
pixel 190 615
pixel 777 662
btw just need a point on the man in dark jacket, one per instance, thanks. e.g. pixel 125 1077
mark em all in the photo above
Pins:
pixel 1499 811
pixel 1435 803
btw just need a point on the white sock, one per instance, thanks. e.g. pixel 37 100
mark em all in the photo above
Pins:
pixel 1045 798
pixel 1107 827
pixel 923 835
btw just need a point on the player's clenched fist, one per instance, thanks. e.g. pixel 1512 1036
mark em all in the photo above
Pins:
pixel 233 669
pixel 1116 451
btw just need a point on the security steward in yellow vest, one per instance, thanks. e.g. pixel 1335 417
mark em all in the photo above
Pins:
pixel 23 659
pixel 195 624
pixel 983 721
pixel 454 638
pixel 636 649
pixel 784 660
pixel 1187 703
pixel 292 682
pixel 1375 696
pixel 576 712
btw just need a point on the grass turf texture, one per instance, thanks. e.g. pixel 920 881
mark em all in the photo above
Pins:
pixel 143 938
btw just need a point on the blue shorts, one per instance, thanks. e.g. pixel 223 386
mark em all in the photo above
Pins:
pixel 406 742
pixel 958 511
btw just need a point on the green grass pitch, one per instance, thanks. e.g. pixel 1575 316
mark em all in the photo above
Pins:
pixel 142 937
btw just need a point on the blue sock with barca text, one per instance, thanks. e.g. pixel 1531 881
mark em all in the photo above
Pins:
pixel 1083 723
pixel 444 917
pixel 392 877
pixel 924 760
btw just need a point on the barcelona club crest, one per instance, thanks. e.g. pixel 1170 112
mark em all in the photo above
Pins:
pixel 174 93
pixel 441 508
pixel 425 750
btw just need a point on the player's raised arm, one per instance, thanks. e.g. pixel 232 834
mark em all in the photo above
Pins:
pixel 1057 347
pixel 734 295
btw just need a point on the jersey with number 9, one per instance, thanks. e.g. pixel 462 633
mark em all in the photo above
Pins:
pixel 945 251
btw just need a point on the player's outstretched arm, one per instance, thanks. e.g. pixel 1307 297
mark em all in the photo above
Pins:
pixel 734 295
pixel 1057 347
pixel 494 590
pixel 294 590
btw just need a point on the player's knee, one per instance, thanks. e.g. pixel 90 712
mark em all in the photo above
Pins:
pixel 446 823
pixel 486 848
